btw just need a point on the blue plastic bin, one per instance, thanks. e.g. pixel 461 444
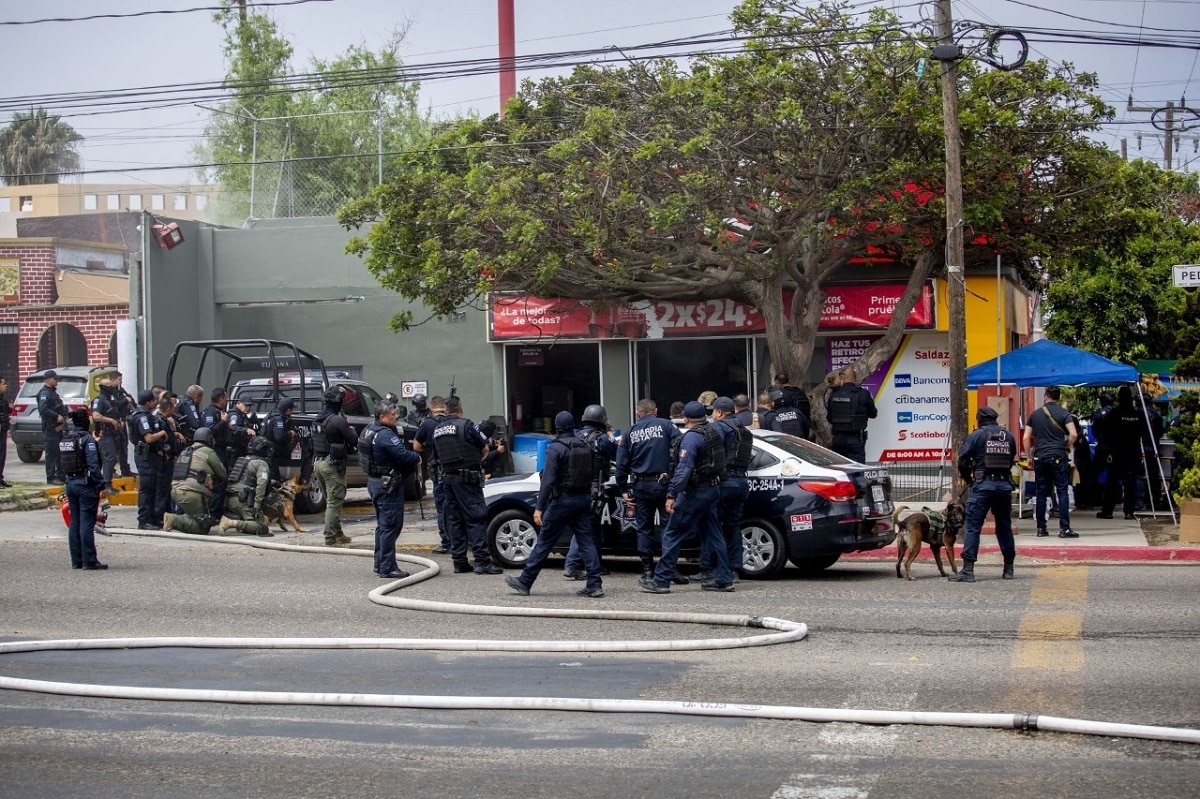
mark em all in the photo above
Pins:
pixel 529 451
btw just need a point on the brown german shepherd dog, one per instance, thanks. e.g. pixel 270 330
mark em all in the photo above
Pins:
pixel 280 506
pixel 914 527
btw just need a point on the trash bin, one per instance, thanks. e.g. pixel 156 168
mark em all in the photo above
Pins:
pixel 529 451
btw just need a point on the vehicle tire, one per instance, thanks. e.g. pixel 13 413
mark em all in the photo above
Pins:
pixel 414 487
pixel 764 549
pixel 815 565
pixel 312 500
pixel 28 454
pixel 511 537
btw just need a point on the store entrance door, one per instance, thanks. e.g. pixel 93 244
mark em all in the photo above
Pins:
pixel 545 379
pixel 679 370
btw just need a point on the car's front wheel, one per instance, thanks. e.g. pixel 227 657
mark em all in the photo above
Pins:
pixel 511 536
pixel 28 454
pixel 764 549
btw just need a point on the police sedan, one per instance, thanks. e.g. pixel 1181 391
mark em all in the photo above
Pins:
pixel 807 505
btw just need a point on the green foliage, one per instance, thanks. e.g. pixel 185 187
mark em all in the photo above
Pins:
pixel 316 147
pixel 37 148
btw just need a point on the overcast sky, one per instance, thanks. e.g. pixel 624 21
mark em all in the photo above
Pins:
pixel 115 54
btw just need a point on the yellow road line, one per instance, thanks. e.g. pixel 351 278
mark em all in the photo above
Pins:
pixel 1050 635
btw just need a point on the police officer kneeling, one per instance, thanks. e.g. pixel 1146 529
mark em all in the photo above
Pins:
pixel 249 481
pixel 196 471
pixel 985 462
pixel 564 503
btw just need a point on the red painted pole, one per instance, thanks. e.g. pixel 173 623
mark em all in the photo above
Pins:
pixel 508 51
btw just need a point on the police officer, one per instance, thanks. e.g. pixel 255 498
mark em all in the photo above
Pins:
pixel 280 431
pixel 692 499
pixel 1103 426
pixel 985 462
pixel 124 407
pixel 1130 432
pixel 104 415
pixel 1050 435
pixel 595 434
pixel 242 428
pixel 333 440
pixel 53 414
pixel 643 470
pixel 196 471
pixel 386 460
pixel 177 440
pixel 420 411
pixel 150 442
pixel 785 418
pixel 741 409
pixel 423 443
pixel 188 410
pixel 216 419
pixel 763 411
pixel 460 449
pixel 849 407
pixel 564 502
pixel 249 481
pixel 793 396
pixel 739 449
pixel 85 481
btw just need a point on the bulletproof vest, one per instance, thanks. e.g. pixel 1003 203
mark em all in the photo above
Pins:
pixel 712 466
pixel 103 405
pixel 241 470
pixel 739 453
pixel 133 424
pixel 320 441
pixel 841 411
pixel 122 404
pixel 450 443
pixel 580 467
pixel 998 451
pixel 71 454
pixel 239 423
pixel 191 464
pixel 268 430
pixel 790 422
pixel 211 418
pixel 591 436
pixel 366 450
pixel 333 439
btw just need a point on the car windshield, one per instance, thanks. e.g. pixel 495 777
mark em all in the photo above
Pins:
pixel 805 450
pixel 68 387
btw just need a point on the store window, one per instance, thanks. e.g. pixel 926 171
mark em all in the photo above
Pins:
pixel 546 379
pixel 679 370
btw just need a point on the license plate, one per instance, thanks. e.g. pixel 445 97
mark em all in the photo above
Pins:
pixel 877 494
pixel 296 453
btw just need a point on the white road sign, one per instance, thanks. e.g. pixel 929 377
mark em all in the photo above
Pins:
pixel 1186 275
pixel 412 388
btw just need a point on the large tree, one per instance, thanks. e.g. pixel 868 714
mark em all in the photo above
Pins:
pixel 756 177
pixel 325 132
pixel 38 148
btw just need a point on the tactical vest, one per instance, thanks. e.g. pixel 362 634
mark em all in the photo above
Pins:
pixel 240 471
pixel 580 468
pixel 841 411
pixel 739 454
pixel 104 406
pixel 453 451
pixel 186 466
pixel 709 469
pixel 591 437
pixel 366 451
pixel 268 430
pixel 71 454
pixel 320 441
pixel 998 452
pixel 211 418
pixel 790 422
pixel 133 425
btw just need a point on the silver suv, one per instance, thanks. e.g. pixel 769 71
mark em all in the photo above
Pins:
pixel 77 385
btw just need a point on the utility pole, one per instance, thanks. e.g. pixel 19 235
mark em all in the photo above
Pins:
pixel 242 3
pixel 508 51
pixel 947 54
pixel 1168 126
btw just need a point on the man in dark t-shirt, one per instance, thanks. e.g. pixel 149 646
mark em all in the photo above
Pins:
pixel 1050 434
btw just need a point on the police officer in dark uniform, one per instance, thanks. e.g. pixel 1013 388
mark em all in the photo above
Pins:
pixel 81 464
pixel 985 462
pixel 460 449
pixel 692 500
pixel 333 440
pixel 420 411
pixel 187 410
pixel 53 414
pixel 564 503
pixel 594 433
pixel 793 396
pixel 849 407
pixel 150 442
pixel 785 418
pixel 386 461
pixel 216 419
pixel 242 427
pixel 741 409
pixel 739 449
pixel 104 416
pixel 5 417
pixel 643 471
pixel 1130 433
pixel 281 432
pixel 423 443
pixel 124 407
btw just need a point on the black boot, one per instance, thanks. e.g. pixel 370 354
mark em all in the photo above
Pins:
pixel 1007 574
pixel 966 574
pixel 648 568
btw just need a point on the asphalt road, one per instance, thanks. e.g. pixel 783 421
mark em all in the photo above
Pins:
pixel 1109 643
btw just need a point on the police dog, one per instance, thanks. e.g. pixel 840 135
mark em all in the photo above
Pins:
pixel 914 527
pixel 280 505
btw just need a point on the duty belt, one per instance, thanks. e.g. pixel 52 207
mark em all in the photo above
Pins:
pixel 735 472
pixel 648 476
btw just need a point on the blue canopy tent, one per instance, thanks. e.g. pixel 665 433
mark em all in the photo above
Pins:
pixel 1048 363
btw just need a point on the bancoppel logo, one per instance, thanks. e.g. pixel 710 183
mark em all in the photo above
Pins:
pixel 904 417
pixel 902 381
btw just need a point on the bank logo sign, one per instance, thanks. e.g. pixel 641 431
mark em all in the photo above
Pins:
pixel 902 381
pixel 904 417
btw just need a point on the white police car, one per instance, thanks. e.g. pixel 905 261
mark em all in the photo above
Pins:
pixel 807 504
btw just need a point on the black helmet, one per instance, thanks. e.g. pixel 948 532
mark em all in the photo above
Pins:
pixel 334 395
pixel 775 393
pixel 594 414
pixel 258 446
pixel 419 401
pixel 203 436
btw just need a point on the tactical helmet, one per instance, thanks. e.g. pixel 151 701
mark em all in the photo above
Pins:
pixel 419 401
pixel 775 394
pixel 203 436
pixel 564 421
pixel 595 414
pixel 334 395
pixel 258 446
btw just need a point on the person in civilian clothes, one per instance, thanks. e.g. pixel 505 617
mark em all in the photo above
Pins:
pixel 85 486
pixel 1050 435
pixel 643 471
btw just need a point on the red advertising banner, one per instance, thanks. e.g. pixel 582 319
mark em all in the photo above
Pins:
pixel 524 316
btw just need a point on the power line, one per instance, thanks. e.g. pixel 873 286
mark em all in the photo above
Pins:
pixel 155 13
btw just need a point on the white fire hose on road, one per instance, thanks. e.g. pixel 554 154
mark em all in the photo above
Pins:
pixel 784 631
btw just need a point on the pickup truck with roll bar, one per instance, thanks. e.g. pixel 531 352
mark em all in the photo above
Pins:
pixel 265 371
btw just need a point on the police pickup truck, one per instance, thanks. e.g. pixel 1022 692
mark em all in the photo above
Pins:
pixel 281 370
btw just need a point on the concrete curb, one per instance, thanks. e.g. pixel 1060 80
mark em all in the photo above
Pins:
pixel 1102 554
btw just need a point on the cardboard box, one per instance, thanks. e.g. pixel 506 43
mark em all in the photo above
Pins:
pixel 1189 522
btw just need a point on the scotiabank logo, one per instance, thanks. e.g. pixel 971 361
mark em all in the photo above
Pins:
pixel 902 381
pixel 904 417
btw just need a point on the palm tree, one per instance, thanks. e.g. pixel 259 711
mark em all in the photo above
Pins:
pixel 37 148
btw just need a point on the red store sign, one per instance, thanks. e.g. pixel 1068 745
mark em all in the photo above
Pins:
pixel 848 307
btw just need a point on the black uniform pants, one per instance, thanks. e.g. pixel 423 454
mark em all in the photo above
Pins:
pixel 53 463
pixel 466 519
